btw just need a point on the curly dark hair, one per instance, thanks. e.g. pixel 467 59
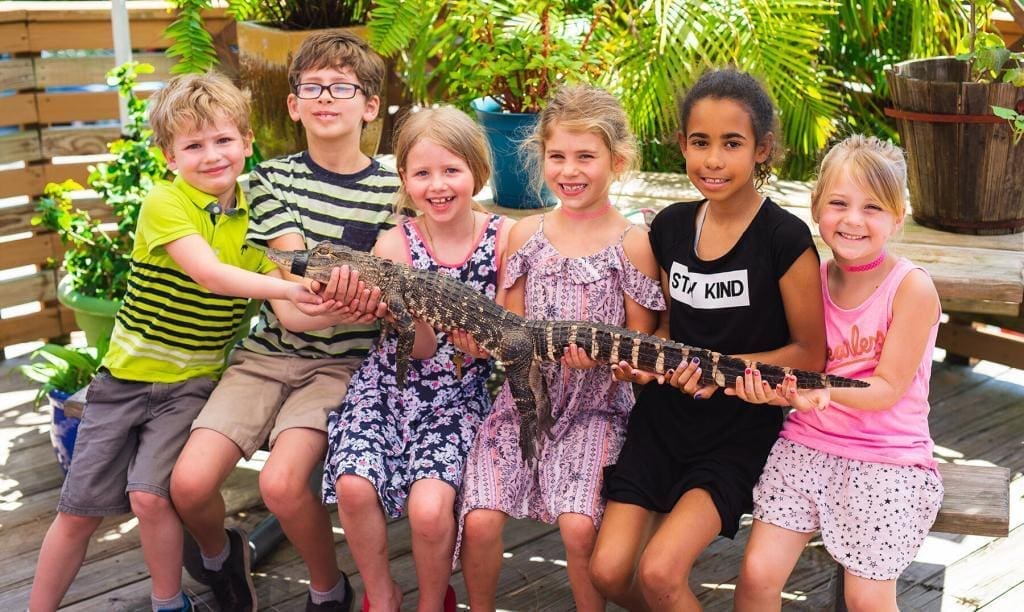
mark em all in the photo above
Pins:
pixel 732 84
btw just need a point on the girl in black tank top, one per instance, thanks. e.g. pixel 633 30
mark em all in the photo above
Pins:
pixel 741 277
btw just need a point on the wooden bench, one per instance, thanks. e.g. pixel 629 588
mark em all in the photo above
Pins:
pixel 976 502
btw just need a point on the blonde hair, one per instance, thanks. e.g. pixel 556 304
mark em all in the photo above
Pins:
pixel 582 108
pixel 338 49
pixel 447 127
pixel 192 102
pixel 877 166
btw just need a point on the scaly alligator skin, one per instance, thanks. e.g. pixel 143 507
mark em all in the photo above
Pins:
pixel 521 344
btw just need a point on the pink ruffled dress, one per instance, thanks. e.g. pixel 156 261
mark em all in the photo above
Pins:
pixel 590 408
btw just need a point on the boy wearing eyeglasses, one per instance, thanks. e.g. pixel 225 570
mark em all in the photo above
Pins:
pixel 281 384
pixel 169 338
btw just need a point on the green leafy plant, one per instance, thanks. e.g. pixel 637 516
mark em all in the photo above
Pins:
pixel 1015 117
pixel 63 369
pixel 301 14
pixel 193 45
pixel 989 61
pixel 516 51
pixel 97 260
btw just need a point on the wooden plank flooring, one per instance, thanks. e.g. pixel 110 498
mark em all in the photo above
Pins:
pixel 977 416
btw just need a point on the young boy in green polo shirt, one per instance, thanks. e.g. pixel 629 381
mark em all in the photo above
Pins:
pixel 167 347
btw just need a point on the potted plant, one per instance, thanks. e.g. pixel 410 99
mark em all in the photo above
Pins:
pixel 501 59
pixel 60 372
pixel 959 119
pixel 269 32
pixel 97 261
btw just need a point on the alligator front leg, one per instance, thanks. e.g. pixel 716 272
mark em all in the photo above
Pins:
pixel 516 352
pixel 518 375
pixel 405 327
pixel 541 399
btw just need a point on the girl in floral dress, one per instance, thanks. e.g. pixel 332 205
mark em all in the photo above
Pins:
pixel 582 261
pixel 397 448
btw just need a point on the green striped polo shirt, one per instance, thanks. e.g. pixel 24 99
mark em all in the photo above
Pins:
pixel 169 328
pixel 295 195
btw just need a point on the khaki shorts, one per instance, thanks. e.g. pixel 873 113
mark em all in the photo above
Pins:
pixel 129 439
pixel 260 396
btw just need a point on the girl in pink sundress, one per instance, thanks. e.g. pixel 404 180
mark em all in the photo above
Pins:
pixel 582 261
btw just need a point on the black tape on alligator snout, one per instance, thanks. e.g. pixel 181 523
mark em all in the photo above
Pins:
pixel 299 263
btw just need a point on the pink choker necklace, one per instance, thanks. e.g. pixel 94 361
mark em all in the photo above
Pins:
pixel 586 216
pixel 871 265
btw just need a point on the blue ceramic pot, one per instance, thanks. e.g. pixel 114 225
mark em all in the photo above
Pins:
pixel 63 430
pixel 511 180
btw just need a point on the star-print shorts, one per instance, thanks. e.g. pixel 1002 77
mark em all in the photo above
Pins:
pixel 873 517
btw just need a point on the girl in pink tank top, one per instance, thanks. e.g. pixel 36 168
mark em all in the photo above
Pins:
pixel 855 464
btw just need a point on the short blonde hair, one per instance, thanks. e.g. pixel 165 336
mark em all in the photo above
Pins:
pixel 338 49
pixel 877 166
pixel 192 102
pixel 583 108
pixel 447 127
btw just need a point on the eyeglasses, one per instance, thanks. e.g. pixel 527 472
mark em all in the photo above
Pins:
pixel 339 91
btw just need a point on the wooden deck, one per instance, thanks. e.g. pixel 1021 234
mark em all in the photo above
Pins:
pixel 977 416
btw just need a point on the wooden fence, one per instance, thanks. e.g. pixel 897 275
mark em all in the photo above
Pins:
pixel 54 103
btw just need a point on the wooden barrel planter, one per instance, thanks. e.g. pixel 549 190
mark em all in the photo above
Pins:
pixel 964 172
pixel 264 54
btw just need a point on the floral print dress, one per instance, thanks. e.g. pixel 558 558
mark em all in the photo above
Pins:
pixel 393 436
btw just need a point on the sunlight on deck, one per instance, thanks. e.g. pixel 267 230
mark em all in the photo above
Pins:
pixel 119 531
pixel 558 562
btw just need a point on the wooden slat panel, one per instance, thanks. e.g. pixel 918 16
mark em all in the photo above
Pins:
pixel 73 71
pixel 976 500
pixel 36 326
pixel 21 181
pixel 17 218
pixel 30 251
pixel 77 34
pixel 86 25
pixel 80 106
pixel 23 145
pixel 76 141
pixel 58 173
pixel 18 109
pixel 969 342
pixel 31 180
pixel 39 287
pixel 14 37
pixel 16 73
pixel 980 307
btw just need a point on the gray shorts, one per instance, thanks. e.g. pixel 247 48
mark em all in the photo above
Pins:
pixel 129 439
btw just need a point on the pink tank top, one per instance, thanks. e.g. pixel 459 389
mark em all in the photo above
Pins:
pixel 855 338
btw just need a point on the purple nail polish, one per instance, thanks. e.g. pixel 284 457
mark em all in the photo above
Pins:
pixel 695 360
pixel 697 395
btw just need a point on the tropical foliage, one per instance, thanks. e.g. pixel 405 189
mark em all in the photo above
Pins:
pixel 193 45
pixel 62 369
pixel 822 60
pixel 301 14
pixel 516 51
